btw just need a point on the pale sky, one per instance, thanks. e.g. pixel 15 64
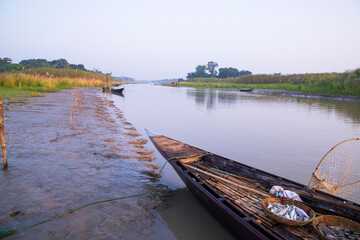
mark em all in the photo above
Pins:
pixel 158 39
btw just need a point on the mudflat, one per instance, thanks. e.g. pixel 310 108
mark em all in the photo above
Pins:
pixel 54 167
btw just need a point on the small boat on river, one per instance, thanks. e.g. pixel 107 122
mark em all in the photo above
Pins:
pixel 234 192
pixel 246 89
pixel 118 91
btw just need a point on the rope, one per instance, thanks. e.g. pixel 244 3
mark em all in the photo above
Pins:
pixel 4 233
pixel 218 170
pixel 213 168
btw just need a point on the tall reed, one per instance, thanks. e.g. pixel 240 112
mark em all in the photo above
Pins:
pixel 20 82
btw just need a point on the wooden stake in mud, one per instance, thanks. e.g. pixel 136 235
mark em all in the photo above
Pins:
pixel 2 135
pixel 74 108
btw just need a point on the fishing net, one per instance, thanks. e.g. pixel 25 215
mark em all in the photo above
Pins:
pixel 338 172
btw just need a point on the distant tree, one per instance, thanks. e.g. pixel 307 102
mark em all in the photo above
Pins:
pixel 4 61
pixel 357 72
pixel 6 65
pixel 200 72
pixel 35 63
pixel 228 72
pixel 211 67
pixel 81 67
pixel 278 74
pixel 244 72
pixel 61 63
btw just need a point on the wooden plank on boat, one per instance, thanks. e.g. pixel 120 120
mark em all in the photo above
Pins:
pixel 175 149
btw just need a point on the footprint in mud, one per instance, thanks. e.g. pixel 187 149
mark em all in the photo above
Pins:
pixel 112 155
pixel 132 134
pixel 139 141
pixel 146 158
pixel 13 214
pixel 115 148
pixel 146 152
pixel 152 166
pixel 152 174
pixel 139 146
pixel 109 140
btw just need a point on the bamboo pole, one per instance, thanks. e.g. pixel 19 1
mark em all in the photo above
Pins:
pixel 79 92
pixel 2 135
pixel 238 186
pixel 74 108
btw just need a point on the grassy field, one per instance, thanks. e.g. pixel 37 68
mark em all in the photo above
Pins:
pixel 25 85
pixel 347 83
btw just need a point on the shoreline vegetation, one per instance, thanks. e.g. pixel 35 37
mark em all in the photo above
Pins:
pixel 347 83
pixel 32 77
pixel 14 85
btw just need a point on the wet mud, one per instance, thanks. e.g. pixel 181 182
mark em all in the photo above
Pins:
pixel 54 168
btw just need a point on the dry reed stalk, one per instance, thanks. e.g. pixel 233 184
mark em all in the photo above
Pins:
pixel 2 135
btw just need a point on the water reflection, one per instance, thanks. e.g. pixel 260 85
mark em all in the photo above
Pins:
pixel 211 98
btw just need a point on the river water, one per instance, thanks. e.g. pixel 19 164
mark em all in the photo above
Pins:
pixel 287 136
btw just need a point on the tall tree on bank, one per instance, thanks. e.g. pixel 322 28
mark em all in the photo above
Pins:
pixel 232 72
pixel 209 71
pixel 228 72
pixel 6 65
pixel 211 67
pixel 4 61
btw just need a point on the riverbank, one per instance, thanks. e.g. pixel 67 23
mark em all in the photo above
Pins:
pixel 54 168
pixel 286 89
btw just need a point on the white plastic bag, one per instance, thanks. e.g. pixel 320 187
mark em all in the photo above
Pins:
pixel 280 192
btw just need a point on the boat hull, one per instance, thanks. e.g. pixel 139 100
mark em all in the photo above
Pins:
pixel 246 89
pixel 238 224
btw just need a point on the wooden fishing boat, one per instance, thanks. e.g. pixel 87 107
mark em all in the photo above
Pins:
pixel 118 91
pixel 233 192
pixel 246 89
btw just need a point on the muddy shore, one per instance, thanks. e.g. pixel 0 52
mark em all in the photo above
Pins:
pixel 54 168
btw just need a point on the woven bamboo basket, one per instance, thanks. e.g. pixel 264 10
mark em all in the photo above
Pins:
pixel 330 220
pixel 285 221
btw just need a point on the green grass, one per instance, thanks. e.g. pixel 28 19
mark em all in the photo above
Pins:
pixel 23 85
pixel 13 93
